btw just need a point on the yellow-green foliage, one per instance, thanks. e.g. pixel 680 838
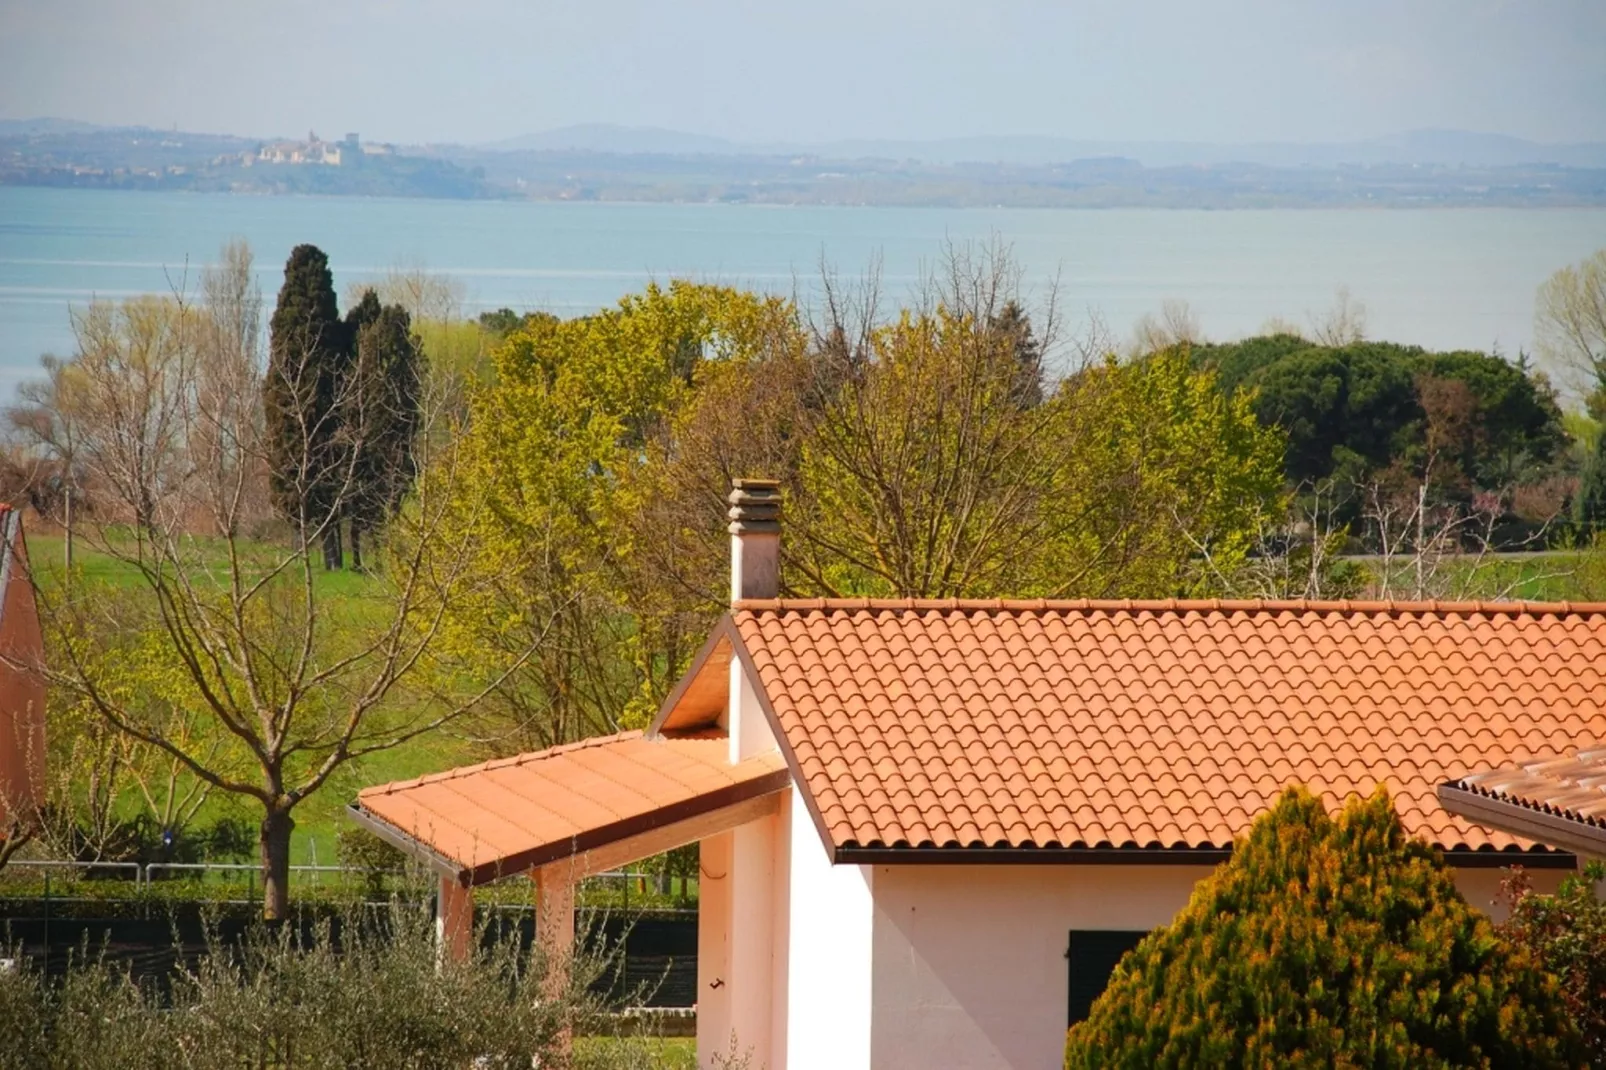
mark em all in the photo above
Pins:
pixel 596 462
pixel 926 478
pixel 1327 943
pixel 559 444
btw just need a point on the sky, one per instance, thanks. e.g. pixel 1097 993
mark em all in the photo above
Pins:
pixel 472 71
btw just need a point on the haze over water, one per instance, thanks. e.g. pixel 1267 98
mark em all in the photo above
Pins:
pixel 1439 278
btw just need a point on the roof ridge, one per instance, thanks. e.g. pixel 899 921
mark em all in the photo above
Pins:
pixel 1165 605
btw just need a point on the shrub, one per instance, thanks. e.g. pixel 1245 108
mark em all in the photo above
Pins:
pixel 1327 943
pixel 365 991
pixel 1566 932
pixel 373 857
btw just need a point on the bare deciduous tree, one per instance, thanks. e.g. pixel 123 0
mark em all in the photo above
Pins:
pixel 1570 326
pixel 1176 324
pixel 291 682
pixel 1343 324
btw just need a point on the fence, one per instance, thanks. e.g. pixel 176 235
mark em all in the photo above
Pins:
pixel 67 913
pixel 145 875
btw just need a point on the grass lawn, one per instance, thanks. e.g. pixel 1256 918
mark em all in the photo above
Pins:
pixel 1548 576
pixel 670 1053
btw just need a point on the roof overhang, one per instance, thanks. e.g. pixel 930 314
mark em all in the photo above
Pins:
pixel 700 697
pixel 597 805
pixel 1461 858
pixel 1522 819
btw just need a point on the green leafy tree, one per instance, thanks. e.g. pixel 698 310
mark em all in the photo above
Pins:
pixel 1326 943
pixel 566 446
pixel 1356 410
pixel 306 365
pixel 924 477
pixel 1566 933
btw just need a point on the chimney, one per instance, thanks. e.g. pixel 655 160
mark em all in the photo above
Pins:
pixel 755 528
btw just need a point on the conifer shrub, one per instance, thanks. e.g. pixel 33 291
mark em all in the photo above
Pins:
pixel 1330 943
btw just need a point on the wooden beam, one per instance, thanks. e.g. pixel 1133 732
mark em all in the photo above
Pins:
pixel 668 837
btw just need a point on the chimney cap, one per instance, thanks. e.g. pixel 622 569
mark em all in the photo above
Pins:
pixel 755 507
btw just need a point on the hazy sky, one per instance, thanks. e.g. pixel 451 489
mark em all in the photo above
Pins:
pixel 476 70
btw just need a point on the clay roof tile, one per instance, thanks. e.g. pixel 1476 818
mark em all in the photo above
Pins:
pixel 1163 722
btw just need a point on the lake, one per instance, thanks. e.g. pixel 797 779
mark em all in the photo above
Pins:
pixel 1439 278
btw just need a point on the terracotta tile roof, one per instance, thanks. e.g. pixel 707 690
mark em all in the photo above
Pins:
pixel 1159 724
pixel 1571 789
pixel 507 815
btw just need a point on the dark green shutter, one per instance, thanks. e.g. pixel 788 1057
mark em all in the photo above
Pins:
pixel 1091 957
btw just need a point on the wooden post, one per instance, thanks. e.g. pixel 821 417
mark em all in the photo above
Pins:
pixel 454 920
pixel 554 912
pixel 554 929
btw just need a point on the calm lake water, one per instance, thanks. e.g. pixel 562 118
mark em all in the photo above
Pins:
pixel 1440 278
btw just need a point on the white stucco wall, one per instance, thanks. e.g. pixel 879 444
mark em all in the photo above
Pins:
pixel 739 913
pixel 970 965
pixel 969 961
pixel 829 999
pixel 713 946
pixel 1481 887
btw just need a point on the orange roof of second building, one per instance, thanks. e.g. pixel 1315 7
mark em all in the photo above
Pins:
pixel 509 815
pixel 1076 725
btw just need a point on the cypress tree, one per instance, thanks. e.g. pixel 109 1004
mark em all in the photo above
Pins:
pixel 1590 503
pixel 307 348
pixel 381 418
pixel 1327 943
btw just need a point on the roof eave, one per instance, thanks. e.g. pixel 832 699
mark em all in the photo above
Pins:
pixel 722 631
pixel 1460 857
pixel 1528 822
pixel 408 845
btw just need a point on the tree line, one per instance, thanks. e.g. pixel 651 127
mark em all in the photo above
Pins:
pixel 534 507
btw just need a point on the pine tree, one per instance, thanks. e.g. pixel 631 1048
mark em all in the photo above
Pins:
pixel 1327 943
pixel 1015 326
pixel 307 349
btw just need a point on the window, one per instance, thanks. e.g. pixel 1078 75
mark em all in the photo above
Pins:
pixel 1091 958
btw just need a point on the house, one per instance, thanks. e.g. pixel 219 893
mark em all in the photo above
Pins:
pixel 314 150
pixel 929 829
pixel 22 691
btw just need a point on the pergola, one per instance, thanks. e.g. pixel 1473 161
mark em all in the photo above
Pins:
pixel 564 814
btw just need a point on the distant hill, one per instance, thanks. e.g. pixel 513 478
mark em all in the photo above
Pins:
pixel 1439 147
pixel 45 126
pixel 615 163
pixel 625 140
